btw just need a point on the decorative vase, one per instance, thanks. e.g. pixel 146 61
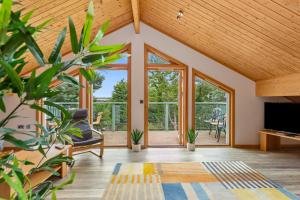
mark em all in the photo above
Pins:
pixel 136 147
pixel 191 146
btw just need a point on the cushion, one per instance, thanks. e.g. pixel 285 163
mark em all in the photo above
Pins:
pixel 80 114
pixel 87 142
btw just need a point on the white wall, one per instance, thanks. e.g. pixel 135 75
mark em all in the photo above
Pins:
pixel 27 117
pixel 248 107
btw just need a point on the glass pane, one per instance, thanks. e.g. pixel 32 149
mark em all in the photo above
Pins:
pixel 163 118
pixel 211 113
pixel 110 105
pixel 154 59
pixel 68 98
pixel 121 61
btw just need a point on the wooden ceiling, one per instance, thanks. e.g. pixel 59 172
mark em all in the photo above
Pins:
pixel 257 38
pixel 119 13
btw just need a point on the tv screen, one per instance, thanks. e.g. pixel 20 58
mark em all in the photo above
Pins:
pixel 282 117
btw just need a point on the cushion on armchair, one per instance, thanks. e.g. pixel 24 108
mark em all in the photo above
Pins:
pixel 80 121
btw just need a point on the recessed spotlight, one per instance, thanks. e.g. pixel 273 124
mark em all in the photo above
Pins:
pixel 180 14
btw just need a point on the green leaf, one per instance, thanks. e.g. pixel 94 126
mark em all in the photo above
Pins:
pixel 42 190
pixel 5 12
pixel 43 110
pixel 43 25
pixel 20 52
pixel 34 48
pixel 93 58
pixel 57 47
pixel 13 76
pixel 100 33
pixel 15 183
pixel 12 44
pixel 106 49
pixel 73 36
pixel 41 150
pixel 69 79
pixel 67 182
pixel 16 142
pixel 44 79
pixel 108 60
pixel 2 104
pixel 27 16
pixel 87 29
pixel 89 75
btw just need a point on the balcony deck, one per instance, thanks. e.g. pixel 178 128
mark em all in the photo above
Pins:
pixel 161 138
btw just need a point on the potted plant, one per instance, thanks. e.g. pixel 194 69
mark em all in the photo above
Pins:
pixel 136 136
pixel 192 136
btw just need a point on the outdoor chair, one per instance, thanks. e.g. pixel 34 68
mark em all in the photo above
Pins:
pixel 90 138
pixel 97 123
pixel 221 126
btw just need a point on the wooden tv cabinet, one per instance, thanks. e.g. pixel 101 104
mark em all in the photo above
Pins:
pixel 270 140
pixel 39 177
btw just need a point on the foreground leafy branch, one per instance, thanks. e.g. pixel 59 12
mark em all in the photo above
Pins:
pixel 16 42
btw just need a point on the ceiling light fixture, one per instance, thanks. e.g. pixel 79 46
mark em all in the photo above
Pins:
pixel 180 14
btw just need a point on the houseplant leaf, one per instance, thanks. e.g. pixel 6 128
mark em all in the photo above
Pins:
pixel 57 47
pixel 5 12
pixel 73 36
pixel 100 33
pixel 87 29
pixel 106 49
pixel 12 74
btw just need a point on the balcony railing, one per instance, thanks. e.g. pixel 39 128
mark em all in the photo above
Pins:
pixel 161 115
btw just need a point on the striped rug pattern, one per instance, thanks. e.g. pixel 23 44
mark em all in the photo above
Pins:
pixel 229 180
pixel 235 175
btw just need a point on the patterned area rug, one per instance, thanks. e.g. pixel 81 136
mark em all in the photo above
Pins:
pixel 227 180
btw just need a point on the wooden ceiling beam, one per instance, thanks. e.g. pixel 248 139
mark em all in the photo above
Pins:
pixel 136 15
pixel 288 85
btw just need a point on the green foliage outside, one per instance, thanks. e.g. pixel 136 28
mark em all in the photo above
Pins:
pixel 206 96
pixel 119 102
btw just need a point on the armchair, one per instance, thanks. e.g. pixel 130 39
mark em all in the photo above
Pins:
pixel 90 138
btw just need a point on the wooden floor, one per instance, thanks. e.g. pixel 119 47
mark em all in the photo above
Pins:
pixel 93 173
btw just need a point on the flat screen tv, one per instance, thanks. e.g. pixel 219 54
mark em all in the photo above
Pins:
pixel 283 117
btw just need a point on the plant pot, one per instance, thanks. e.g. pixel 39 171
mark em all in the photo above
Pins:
pixel 136 147
pixel 191 146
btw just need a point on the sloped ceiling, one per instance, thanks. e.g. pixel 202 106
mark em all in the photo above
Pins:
pixel 117 11
pixel 257 38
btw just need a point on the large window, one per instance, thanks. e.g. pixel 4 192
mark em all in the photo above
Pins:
pixel 212 113
pixel 165 102
pixel 68 97
pixel 111 102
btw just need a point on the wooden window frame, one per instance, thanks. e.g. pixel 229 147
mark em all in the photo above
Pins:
pixel 89 92
pixel 229 90
pixel 75 72
pixel 175 65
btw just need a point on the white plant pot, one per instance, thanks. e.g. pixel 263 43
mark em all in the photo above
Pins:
pixel 136 147
pixel 191 147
